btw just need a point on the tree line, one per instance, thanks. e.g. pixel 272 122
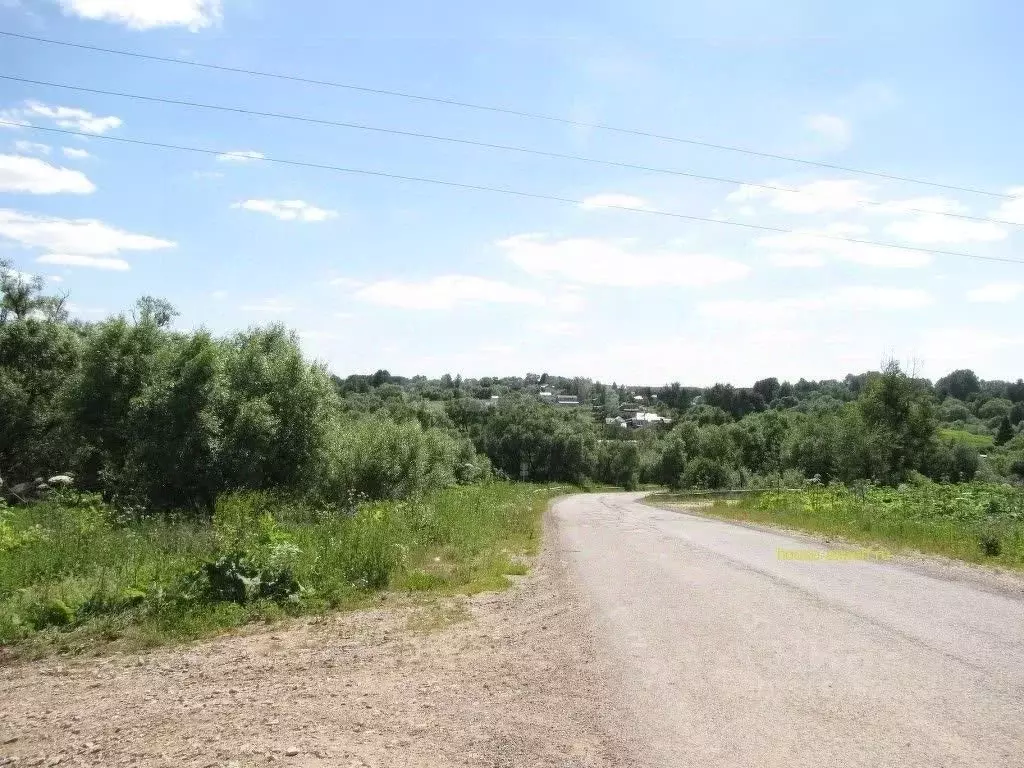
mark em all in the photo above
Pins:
pixel 155 418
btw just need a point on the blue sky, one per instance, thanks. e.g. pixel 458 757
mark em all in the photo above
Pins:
pixel 377 273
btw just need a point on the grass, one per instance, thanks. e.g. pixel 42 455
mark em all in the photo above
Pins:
pixel 74 578
pixel 978 442
pixel 974 522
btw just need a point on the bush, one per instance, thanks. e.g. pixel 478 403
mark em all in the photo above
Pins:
pixel 707 474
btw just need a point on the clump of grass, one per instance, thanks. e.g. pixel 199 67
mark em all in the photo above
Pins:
pixel 976 522
pixel 76 576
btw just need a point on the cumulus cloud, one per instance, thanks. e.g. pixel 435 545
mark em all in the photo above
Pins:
pixel 813 197
pixel 1011 210
pixel 79 260
pixel 89 237
pixel 72 118
pixel 147 14
pixel 75 153
pixel 240 156
pixel 815 247
pixel 996 293
pixel 931 229
pixel 31 148
pixel 445 292
pixel 834 130
pixel 930 204
pixel 287 210
pixel 849 299
pixel 606 262
pixel 346 282
pixel 556 328
pixel 612 200
pixel 37 177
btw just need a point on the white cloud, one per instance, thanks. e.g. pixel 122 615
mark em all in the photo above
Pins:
pixel 218 295
pixel 850 299
pixel 12 119
pixel 793 259
pixel 446 292
pixel 612 200
pixel 78 260
pixel 1011 210
pixel 147 14
pixel 933 204
pixel 271 306
pixel 81 236
pixel 931 229
pixel 833 129
pixel 75 154
pixel 556 328
pixel 569 303
pixel 346 282
pixel 994 293
pixel 32 148
pixel 812 197
pixel 945 349
pixel 287 210
pixel 32 175
pixel 812 247
pixel 240 156
pixel 607 262
pixel 71 118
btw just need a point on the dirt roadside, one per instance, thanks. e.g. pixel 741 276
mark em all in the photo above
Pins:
pixel 504 679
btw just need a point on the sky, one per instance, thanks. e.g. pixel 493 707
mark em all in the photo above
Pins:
pixel 418 278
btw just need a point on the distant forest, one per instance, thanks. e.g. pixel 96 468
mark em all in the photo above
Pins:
pixel 159 419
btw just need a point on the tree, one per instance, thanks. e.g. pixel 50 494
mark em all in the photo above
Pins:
pixel 768 389
pixel 1004 433
pixel 899 418
pixel 959 384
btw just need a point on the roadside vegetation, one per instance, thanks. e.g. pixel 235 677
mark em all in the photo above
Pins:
pixel 158 483
pixel 976 522
pixel 75 573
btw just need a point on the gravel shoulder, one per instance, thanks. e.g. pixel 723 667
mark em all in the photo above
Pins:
pixel 502 679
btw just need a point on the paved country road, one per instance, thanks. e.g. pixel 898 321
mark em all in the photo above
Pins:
pixel 723 654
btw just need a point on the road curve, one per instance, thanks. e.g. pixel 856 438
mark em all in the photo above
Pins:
pixel 723 654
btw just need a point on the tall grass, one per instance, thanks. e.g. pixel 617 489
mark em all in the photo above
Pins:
pixel 73 575
pixel 976 522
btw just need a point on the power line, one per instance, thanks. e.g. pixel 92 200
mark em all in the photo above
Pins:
pixel 513 192
pixel 487 145
pixel 502 111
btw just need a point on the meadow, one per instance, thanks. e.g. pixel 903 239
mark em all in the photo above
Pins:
pixel 75 575
pixel 975 522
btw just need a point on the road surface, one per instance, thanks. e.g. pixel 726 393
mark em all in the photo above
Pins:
pixel 723 654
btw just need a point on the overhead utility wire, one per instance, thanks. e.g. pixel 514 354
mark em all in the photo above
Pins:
pixel 513 192
pixel 488 145
pixel 501 110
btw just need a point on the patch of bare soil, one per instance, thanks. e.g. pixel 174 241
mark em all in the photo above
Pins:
pixel 501 679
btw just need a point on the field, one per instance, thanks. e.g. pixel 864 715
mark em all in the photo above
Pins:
pixel 976 441
pixel 73 576
pixel 975 522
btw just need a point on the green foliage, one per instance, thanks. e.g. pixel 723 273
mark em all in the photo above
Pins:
pixel 86 573
pixel 971 521
pixel 978 442
pixel 707 473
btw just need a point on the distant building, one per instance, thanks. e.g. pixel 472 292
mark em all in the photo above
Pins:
pixel 567 400
pixel 645 419
pixel 615 421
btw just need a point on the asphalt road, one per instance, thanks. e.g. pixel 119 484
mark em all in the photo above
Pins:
pixel 721 653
